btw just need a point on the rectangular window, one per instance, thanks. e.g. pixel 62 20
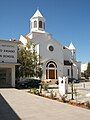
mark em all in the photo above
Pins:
pixel 40 24
pixel 35 24
pixel 68 72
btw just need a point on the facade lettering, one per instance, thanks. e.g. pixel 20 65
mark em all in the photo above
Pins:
pixel 12 51
pixel 7 46
pixel 8 56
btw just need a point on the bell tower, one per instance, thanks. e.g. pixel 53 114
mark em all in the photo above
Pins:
pixel 73 50
pixel 37 22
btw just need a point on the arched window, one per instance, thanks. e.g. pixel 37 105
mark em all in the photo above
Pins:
pixel 35 24
pixel 51 65
pixel 51 70
pixel 51 62
pixel 40 24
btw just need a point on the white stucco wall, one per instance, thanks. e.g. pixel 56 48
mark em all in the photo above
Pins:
pixel 75 71
pixel 44 43
pixel 65 71
pixel 67 54
pixel 45 40
pixel 79 69
pixel 23 40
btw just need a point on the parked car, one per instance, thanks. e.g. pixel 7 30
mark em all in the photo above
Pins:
pixel 73 79
pixel 28 83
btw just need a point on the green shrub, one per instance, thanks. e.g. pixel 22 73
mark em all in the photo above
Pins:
pixel 45 86
pixel 35 91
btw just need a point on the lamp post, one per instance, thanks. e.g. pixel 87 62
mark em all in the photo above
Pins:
pixel 72 81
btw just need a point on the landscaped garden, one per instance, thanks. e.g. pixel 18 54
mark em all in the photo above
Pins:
pixel 49 92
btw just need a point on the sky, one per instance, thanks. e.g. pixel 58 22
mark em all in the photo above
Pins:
pixel 67 20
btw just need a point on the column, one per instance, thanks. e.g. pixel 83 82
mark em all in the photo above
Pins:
pixel 13 77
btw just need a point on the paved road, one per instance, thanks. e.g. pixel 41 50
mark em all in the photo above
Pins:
pixel 18 104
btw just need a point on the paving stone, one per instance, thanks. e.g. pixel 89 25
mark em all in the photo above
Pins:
pixel 32 107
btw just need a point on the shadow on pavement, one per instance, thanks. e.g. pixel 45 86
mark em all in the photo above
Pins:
pixel 6 112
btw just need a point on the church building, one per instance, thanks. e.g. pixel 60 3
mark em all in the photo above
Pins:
pixel 57 59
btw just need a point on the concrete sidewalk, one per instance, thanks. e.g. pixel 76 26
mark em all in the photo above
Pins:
pixel 26 106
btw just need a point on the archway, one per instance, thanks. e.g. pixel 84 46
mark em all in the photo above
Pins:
pixel 51 70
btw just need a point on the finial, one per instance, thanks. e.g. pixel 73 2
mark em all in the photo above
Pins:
pixel 38 8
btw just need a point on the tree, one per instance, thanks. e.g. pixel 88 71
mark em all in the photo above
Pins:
pixel 87 72
pixel 29 62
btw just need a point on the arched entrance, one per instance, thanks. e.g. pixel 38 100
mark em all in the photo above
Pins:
pixel 51 70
